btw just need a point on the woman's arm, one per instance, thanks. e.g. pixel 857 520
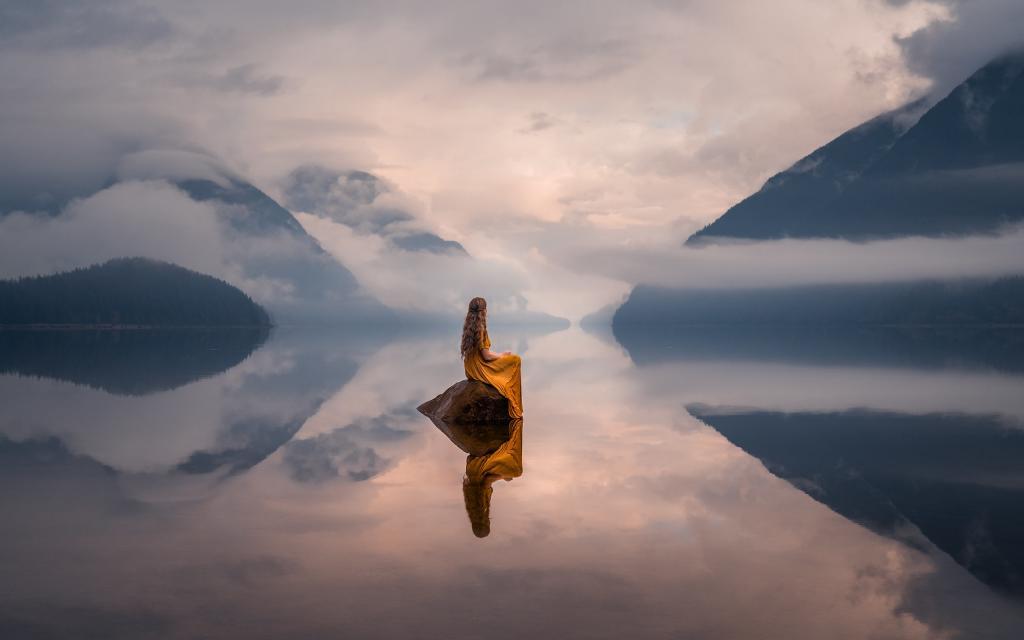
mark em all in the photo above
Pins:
pixel 490 356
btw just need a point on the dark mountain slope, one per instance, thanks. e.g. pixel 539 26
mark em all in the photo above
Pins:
pixel 949 303
pixel 783 204
pixel 958 170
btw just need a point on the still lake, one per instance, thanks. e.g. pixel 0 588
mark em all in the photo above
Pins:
pixel 706 483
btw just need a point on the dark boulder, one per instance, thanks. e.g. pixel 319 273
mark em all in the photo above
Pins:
pixel 472 414
pixel 468 402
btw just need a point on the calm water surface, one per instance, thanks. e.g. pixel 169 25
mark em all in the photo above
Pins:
pixel 711 483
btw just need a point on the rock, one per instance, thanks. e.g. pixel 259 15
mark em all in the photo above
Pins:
pixel 468 402
pixel 472 414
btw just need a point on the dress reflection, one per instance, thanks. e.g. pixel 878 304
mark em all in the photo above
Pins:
pixel 505 463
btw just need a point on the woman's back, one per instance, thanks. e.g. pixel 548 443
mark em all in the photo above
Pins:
pixel 502 371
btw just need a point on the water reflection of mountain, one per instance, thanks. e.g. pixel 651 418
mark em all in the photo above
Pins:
pixel 130 362
pixel 958 480
pixel 920 347
pixel 165 442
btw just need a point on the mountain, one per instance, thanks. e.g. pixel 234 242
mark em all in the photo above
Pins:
pixel 992 349
pixel 306 284
pixel 128 291
pixel 959 169
pixel 932 302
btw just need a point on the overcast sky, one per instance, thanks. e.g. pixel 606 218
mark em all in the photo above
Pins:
pixel 526 131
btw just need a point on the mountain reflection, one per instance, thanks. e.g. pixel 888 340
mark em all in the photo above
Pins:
pixel 159 412
pixel 129 362
pixel 952 481
pixel 989 348
pixel 198 522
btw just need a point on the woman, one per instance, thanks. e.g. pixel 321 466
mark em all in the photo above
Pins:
pixel 505 463
pixel 500 370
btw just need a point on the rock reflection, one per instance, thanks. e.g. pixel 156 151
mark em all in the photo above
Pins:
pixel 474 416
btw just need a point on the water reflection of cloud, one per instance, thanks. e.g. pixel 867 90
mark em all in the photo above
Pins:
pixel 346 452
pixel 229 420
pixel 632 520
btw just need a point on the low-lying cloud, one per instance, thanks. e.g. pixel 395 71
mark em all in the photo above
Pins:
pixel 796 262
pixel 417 280
pixel 151 219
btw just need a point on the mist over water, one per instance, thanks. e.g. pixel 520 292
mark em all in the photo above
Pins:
pixel 289 487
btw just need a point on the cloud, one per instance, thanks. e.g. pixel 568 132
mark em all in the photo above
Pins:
pixel 365 203
pixel 350 198
pixel 795 262
pixel 947 51
pixel 570 60
pixel 246 79
pixel 420 280
pixel 538 121
pixel 652 117
pixel 242 79
pixel 150 219
pixel 66 24
pixel 175 165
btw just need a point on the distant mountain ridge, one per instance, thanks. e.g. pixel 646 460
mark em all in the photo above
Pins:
pixel 131 292
pixel 964 302
pixel 958 169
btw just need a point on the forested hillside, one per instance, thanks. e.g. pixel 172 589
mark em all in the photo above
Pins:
pixel 127 291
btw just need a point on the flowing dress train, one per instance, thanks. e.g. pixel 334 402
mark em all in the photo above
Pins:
pixel 504 374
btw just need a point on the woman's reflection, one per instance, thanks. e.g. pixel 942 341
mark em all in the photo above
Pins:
pixel 504 463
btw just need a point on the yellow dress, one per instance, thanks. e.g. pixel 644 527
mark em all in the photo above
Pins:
pixel 504 374
pixel 506 461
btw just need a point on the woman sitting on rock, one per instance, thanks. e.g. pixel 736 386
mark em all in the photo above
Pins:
pixel 500 370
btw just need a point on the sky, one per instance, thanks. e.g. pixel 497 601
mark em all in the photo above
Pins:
pixel 548 139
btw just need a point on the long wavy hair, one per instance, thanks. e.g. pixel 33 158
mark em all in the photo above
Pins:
pixel 474 327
